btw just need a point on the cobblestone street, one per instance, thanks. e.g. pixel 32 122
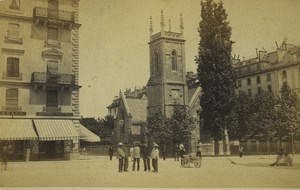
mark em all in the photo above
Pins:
pixel 99 171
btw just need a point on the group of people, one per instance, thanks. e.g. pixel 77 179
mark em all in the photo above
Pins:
pixel 283 159
pixel 136 152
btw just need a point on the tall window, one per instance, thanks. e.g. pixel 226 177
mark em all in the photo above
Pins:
pixel 12 67
pixel 258 79
pixel 268 77
pixel 269 88
pixel 174 60
pixel 13 32
pixel 14 5
pixel 12 96
pixel 284 75
pixel 52 98
pixel 239 83
pixel 258 89
pixel 248 81
pixel 52 33
pixel 249 92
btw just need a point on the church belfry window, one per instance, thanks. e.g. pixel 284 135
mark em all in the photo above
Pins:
pixel 174 60
pixel 156 61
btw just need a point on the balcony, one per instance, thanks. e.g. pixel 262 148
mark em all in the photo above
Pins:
pixel 47 79
pixel 45 15
pixel 53 111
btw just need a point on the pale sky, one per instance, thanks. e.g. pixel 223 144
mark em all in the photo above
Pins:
pixel 114 36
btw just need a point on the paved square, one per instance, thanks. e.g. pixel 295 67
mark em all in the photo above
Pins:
pixel 99 171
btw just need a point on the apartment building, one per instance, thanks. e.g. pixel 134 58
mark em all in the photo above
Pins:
pixel 270 70
pixel 39 90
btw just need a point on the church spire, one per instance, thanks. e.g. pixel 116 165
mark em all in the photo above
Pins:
pixel 170 28
pixel 181 24
pixel 162 22
pixel 151 27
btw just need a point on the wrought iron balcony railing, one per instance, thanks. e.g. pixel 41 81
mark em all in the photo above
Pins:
pixel 47 78
pixel 41 12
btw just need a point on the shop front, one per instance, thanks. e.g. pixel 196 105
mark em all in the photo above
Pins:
pixel 16 135
pixel 55 140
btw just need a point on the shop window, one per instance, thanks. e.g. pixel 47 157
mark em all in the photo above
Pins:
pixel 12 97
pixel 174 60
pixel 12 67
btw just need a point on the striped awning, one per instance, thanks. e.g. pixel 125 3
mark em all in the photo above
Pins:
pixel 52 130
pixel 87 135
pixel 17 129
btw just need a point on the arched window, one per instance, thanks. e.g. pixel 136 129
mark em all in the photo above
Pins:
pixel 174 60
pixel 12 96
pixel 12 67
pixel 13 32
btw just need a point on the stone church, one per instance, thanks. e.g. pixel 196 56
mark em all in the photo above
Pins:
pixel 169 84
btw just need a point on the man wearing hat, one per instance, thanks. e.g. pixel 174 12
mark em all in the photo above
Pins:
pixel 155 157
pixel 120 156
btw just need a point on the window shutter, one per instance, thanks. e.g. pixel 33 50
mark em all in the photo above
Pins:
pixel 12 67
pixel 12 99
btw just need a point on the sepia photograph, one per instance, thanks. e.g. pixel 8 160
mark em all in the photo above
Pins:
pixel 149 94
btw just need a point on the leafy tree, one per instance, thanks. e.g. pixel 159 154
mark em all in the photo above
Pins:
pixel 91 124
pixel 286 119
pixel 157 129
pixel 181 124
pixel 215 71
pixel 106 127
pixel 243 119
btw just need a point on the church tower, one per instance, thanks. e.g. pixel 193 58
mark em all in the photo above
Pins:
pixel 167 83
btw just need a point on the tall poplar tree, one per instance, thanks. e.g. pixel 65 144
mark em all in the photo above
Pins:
pixel 216 74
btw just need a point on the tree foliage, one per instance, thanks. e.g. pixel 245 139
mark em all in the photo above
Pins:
pixel 178 128
pixel 215 71
pixel 181 124
pixel 243 110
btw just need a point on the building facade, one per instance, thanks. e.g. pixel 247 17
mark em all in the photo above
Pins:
pixel 39 90
pixel 270 70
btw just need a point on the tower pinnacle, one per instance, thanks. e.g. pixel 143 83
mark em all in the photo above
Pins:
pixel 170 28
pixel 151 27
pixel 162 22
pixel 181 24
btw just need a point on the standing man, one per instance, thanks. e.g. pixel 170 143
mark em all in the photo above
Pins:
pixel 136 156
pixel 199 148
pixel 241 150
pixel 155 157
pixel 120 156
pixel 126 151
pixel 164 151
pixel 4 157
pixel 146 157
pixel 110 152
pixel 176 152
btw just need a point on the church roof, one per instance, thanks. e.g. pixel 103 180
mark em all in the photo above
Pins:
pixel 137 109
